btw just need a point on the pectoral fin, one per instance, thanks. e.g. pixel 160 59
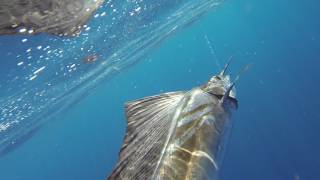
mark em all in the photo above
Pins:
pixel 149 121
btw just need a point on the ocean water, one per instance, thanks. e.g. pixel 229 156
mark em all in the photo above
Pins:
pixel 74 130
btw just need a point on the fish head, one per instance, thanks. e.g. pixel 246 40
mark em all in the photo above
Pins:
pixel 223 88
pixel 219 86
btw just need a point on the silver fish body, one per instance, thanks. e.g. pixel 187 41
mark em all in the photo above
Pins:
pixel 195 143
pixel 178 135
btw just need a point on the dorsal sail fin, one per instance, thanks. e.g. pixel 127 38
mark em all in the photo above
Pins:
pixel 149 120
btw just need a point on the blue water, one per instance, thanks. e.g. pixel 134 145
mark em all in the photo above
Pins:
pixel 276 128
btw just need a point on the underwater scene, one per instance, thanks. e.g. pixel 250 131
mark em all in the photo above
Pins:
pixel 159 89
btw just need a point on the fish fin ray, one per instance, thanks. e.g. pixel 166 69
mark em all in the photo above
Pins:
pixel 149 121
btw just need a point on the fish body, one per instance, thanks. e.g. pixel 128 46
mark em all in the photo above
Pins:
pixel 178 135
pixel 192 150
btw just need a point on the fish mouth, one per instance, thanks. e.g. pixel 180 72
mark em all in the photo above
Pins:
pixel 233 100
pixel 220 96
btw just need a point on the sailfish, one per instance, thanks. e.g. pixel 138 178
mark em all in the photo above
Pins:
pixel 178 135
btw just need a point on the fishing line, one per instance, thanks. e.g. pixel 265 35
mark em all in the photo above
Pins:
pixel 212 51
